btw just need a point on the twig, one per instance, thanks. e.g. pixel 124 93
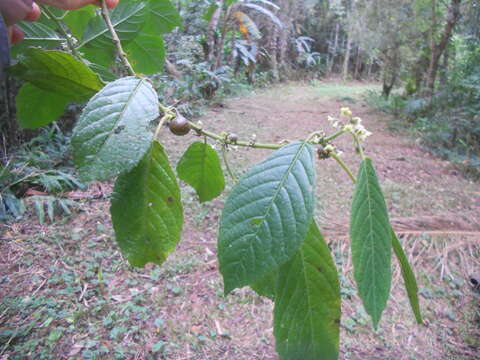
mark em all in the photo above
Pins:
pixel 61 27
pixel 200 131
pixel 38 288
pixel 116 39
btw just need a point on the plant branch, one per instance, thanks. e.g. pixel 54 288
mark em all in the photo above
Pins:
pixel 116 40
pixel 224 140
pixel 61 28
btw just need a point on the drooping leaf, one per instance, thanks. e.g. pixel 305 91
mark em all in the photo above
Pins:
pixel 274 18
pixel 269 3
pixel 37 107
pixel 78 20
pixel 371 239
pixel 200 167
pixel 267 215
pixel 208 14
pixel 112 134
pixel 307 303
pixel 147 54
pixel 36 34
pixel 128 19
pixel 408 278
pixel 163 17
pixel 247 26
pixel 59 72
pixel 146 209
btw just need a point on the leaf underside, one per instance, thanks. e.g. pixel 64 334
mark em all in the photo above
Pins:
pixel 146 209
pixel 113 134
pixel 371 242
pixel 267 215
pixel 200 167
pixel 307 303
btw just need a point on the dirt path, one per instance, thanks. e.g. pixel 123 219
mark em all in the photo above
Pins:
pixel 177 311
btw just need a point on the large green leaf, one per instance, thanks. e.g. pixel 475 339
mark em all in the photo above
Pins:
pixel 113 134
pixel 58 72
pixel 163 17
pixel 37 107
pixel 371 237
pixel 267 215
pixel 36 34
pixel 77 20
pixel 146 209
pixel 200 167
pixel 128 18
pixel 266 286
pixel 307 303
pixel 408 278
pixel 147 53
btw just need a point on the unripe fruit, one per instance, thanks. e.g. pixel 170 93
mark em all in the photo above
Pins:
pixel 179 126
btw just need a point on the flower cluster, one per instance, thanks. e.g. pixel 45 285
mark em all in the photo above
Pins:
pixel 353 125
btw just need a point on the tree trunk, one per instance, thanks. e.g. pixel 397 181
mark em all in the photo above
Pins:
pixel 273 51
pixel 211 35
pixel 358 61
pixel 346 60
pixel 437 49
pixel 334 49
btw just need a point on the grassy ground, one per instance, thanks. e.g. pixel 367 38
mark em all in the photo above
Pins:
pixel 67 293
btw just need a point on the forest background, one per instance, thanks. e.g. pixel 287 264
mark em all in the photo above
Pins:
pixel 419 59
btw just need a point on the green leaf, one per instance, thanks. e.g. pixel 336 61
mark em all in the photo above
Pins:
pixel 267 215
pixel 163 17
pixel 307 303
pixel 146 209
pixel 128 18
pixel 408 278
pixel 147 54
pixel 208 14
pixel 58 72
pixel 200 168
pixel 36 34
pixel 113 134
pixel 267 286
pixel 78 20
pixel 371 239
pixel 37 107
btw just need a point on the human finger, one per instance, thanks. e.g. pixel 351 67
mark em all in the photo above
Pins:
pixel 34 13
pixel 15 35
pixel 15 11
pixel 75 4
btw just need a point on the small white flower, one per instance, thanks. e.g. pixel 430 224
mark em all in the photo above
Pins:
pixel 348 128
pixel 356 121
pixel 345 111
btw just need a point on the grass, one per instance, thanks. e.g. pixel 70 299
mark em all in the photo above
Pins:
pixel 68 293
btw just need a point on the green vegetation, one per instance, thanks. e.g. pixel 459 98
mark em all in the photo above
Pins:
pixel 110 63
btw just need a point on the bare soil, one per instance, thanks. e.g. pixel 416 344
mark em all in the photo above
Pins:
pixel 67 293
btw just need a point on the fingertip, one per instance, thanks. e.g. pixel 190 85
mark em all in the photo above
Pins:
pixel 34 13
pixel 16 35
pixel 112 3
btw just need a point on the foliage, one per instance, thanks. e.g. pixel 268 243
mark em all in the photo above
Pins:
pixel 268 238
pixel 39 166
